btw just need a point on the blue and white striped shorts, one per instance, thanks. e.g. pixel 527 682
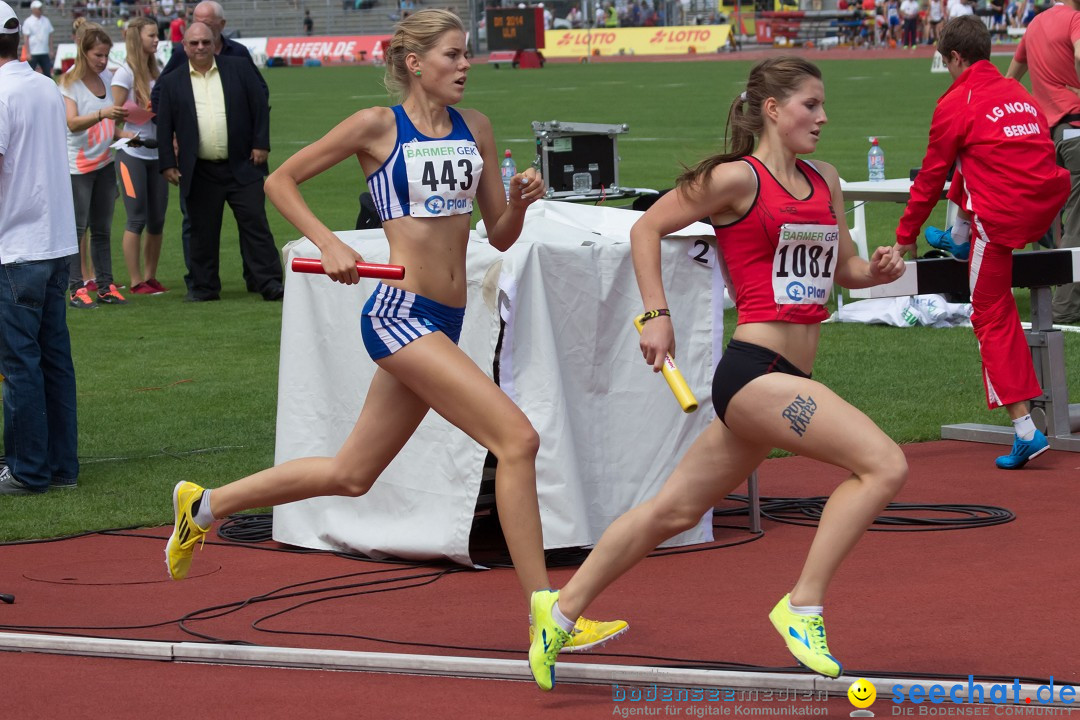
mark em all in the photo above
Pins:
pixel 393 318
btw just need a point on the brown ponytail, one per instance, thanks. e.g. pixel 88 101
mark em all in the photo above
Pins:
pixel 776 78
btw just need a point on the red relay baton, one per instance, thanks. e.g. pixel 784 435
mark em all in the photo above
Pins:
pixel 368 270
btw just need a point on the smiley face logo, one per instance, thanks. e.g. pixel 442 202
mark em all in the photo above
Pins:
pixel 862 693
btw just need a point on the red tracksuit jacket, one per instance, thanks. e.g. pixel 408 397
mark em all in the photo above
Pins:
pixel 999 139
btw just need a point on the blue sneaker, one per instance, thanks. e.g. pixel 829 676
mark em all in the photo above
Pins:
pixel 942 240
pixel 1022 451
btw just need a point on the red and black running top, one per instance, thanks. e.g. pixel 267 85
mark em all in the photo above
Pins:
pixel 785 281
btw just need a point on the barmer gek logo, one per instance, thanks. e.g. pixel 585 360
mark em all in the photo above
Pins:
pixel 434 204
pixel 796 291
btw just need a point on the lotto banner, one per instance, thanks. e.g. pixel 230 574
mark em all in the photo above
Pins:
pixel 330 48
pixel 680 40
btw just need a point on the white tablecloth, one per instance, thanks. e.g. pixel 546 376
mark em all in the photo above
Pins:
pixel 610 429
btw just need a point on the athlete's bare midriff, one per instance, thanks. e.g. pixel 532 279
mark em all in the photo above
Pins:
pixel 433 252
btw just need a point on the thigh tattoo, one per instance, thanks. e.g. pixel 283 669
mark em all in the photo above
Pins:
pixel 799 413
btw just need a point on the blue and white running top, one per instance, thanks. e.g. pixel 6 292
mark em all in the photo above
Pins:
pixel 427 177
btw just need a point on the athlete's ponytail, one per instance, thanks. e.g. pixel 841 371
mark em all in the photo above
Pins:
pixel 776 78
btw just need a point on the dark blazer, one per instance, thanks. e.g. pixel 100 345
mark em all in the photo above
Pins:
pixel 247 116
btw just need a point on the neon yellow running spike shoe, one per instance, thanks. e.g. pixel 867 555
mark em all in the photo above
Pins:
pixel 547 638
pixel 589 634
pixel 805 638
pixel 185 532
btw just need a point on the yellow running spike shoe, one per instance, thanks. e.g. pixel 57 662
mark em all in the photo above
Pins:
pixel 547 638
pixel 805 638
pixel 185 532
pixel 589 634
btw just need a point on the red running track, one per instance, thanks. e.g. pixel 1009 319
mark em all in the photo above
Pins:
pixel 995 601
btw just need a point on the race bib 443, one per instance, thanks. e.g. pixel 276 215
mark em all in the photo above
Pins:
pixel 804 264
pixel 442 175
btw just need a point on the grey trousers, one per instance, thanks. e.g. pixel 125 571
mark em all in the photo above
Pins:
pixel 95 197
pixel 1066 306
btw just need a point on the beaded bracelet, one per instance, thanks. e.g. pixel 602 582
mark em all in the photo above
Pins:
pixel 655 314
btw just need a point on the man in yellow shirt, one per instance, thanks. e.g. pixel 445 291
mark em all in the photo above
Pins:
pixel 221 120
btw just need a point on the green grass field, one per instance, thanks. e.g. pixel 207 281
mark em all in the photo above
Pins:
pixel 171 391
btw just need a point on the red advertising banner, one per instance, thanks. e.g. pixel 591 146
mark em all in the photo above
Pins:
pixel 339 48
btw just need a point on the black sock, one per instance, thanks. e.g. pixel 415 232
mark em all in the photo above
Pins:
pixel 195 505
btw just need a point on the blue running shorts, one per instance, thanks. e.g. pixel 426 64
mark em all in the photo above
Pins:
pixel 393 318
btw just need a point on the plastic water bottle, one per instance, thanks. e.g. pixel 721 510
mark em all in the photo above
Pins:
pixel 875 161
pixel 508 170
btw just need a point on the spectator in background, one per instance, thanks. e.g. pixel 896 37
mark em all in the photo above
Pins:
pixel 222 140
pixel 38 31
pixel 144 191
pixel 211 14
pixel 881 28
pixel 909 12
pixel 84 254
pixel 309 24
pixel 1026 12
pixel 176 33
pixel 935 15
pixel 652 18
pixel 961 8
pixel 37 234
pixel 997 20
pixel 91 119
pixel 1051 49
pixel 892 17
pixel 574 17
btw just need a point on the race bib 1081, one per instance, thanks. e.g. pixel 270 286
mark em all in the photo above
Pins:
pixel 804 264
pixel 442 175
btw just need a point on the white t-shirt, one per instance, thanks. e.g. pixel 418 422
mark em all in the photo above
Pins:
pixel 37 214
pixel 90 150
pixel 909 9
pixel 961 9
pixel 37 31
pixel 125 78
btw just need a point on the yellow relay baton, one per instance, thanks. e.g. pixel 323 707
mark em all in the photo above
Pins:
pixel 675 379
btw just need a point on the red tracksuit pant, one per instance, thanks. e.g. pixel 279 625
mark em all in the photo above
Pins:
pixel 1008 373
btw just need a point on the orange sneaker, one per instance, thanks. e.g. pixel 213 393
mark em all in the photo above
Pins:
pixel 111 296
pixel 81 299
